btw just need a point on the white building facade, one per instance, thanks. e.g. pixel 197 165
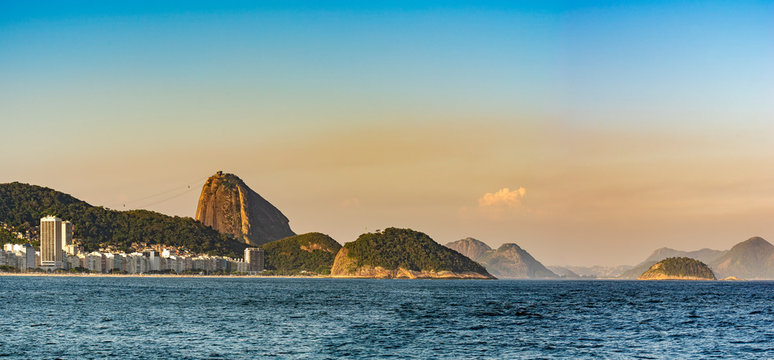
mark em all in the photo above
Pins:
pixel 51 243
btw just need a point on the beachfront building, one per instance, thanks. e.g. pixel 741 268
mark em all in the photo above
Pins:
pixel 154 262
pixel 4 259
pixel 25 257
pixel 20 256
pixel 72 249
pixel 72 262
pixel 67 235
pixel 118 263
pixel 174 263
pixel 254 259
pixel 136 263
pixel 51 243
pixel 95 261
pixel 237 266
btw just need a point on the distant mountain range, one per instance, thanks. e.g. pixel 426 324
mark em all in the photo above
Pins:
pixel 509 261
pixel 752 259
pixel 232 216
pixel 591 272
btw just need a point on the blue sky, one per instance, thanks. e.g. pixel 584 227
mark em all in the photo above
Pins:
pixel 643 115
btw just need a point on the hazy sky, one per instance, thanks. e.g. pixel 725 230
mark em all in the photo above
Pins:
pixel 586 132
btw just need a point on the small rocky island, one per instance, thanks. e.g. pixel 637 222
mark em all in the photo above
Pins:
pixel 678 268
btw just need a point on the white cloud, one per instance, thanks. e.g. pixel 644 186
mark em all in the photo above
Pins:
pixel 503 198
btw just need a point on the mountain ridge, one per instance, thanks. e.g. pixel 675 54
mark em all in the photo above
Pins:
pixel 704 255
pixel 509 261
pixel 749 259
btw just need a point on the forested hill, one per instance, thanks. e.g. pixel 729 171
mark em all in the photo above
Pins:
pixel 406 249
pixel 677 268
pixel 305 253
pixel 22 206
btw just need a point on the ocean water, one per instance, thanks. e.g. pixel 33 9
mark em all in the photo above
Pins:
pixel 75 318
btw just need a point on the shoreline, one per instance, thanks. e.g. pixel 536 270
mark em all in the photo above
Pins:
pixel 166 276
pixel 329 277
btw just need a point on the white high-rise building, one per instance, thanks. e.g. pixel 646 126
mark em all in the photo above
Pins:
pixel 51 243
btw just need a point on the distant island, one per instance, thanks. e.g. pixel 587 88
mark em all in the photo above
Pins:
pixel 678 268
pixel 403 254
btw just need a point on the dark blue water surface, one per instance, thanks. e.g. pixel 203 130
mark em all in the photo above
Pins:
pixel 73 317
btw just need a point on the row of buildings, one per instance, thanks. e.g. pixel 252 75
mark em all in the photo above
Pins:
pixel 57 251
pixel 18 256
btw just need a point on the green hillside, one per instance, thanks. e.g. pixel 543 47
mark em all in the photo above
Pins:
pixel 22 206
pixel 396 248
pixel 677 268
pixel 311 252
pixel 8 237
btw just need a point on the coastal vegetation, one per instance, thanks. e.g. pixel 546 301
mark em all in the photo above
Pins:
pixel 679 268
pixel 401 249
pixel 22 206
pixel 7 236
pixel 301 254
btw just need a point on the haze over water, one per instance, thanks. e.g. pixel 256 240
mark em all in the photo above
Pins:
pixel 333 318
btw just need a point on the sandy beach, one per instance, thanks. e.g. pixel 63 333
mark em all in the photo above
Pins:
pixel 162 275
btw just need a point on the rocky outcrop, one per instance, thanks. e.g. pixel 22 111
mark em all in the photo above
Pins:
pixel 229 206
pixel 469 247
pixel 346 267
pixel 678 268
pixel 403 254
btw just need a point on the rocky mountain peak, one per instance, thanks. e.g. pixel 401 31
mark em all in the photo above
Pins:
pixel 229 206
pixel 469 247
